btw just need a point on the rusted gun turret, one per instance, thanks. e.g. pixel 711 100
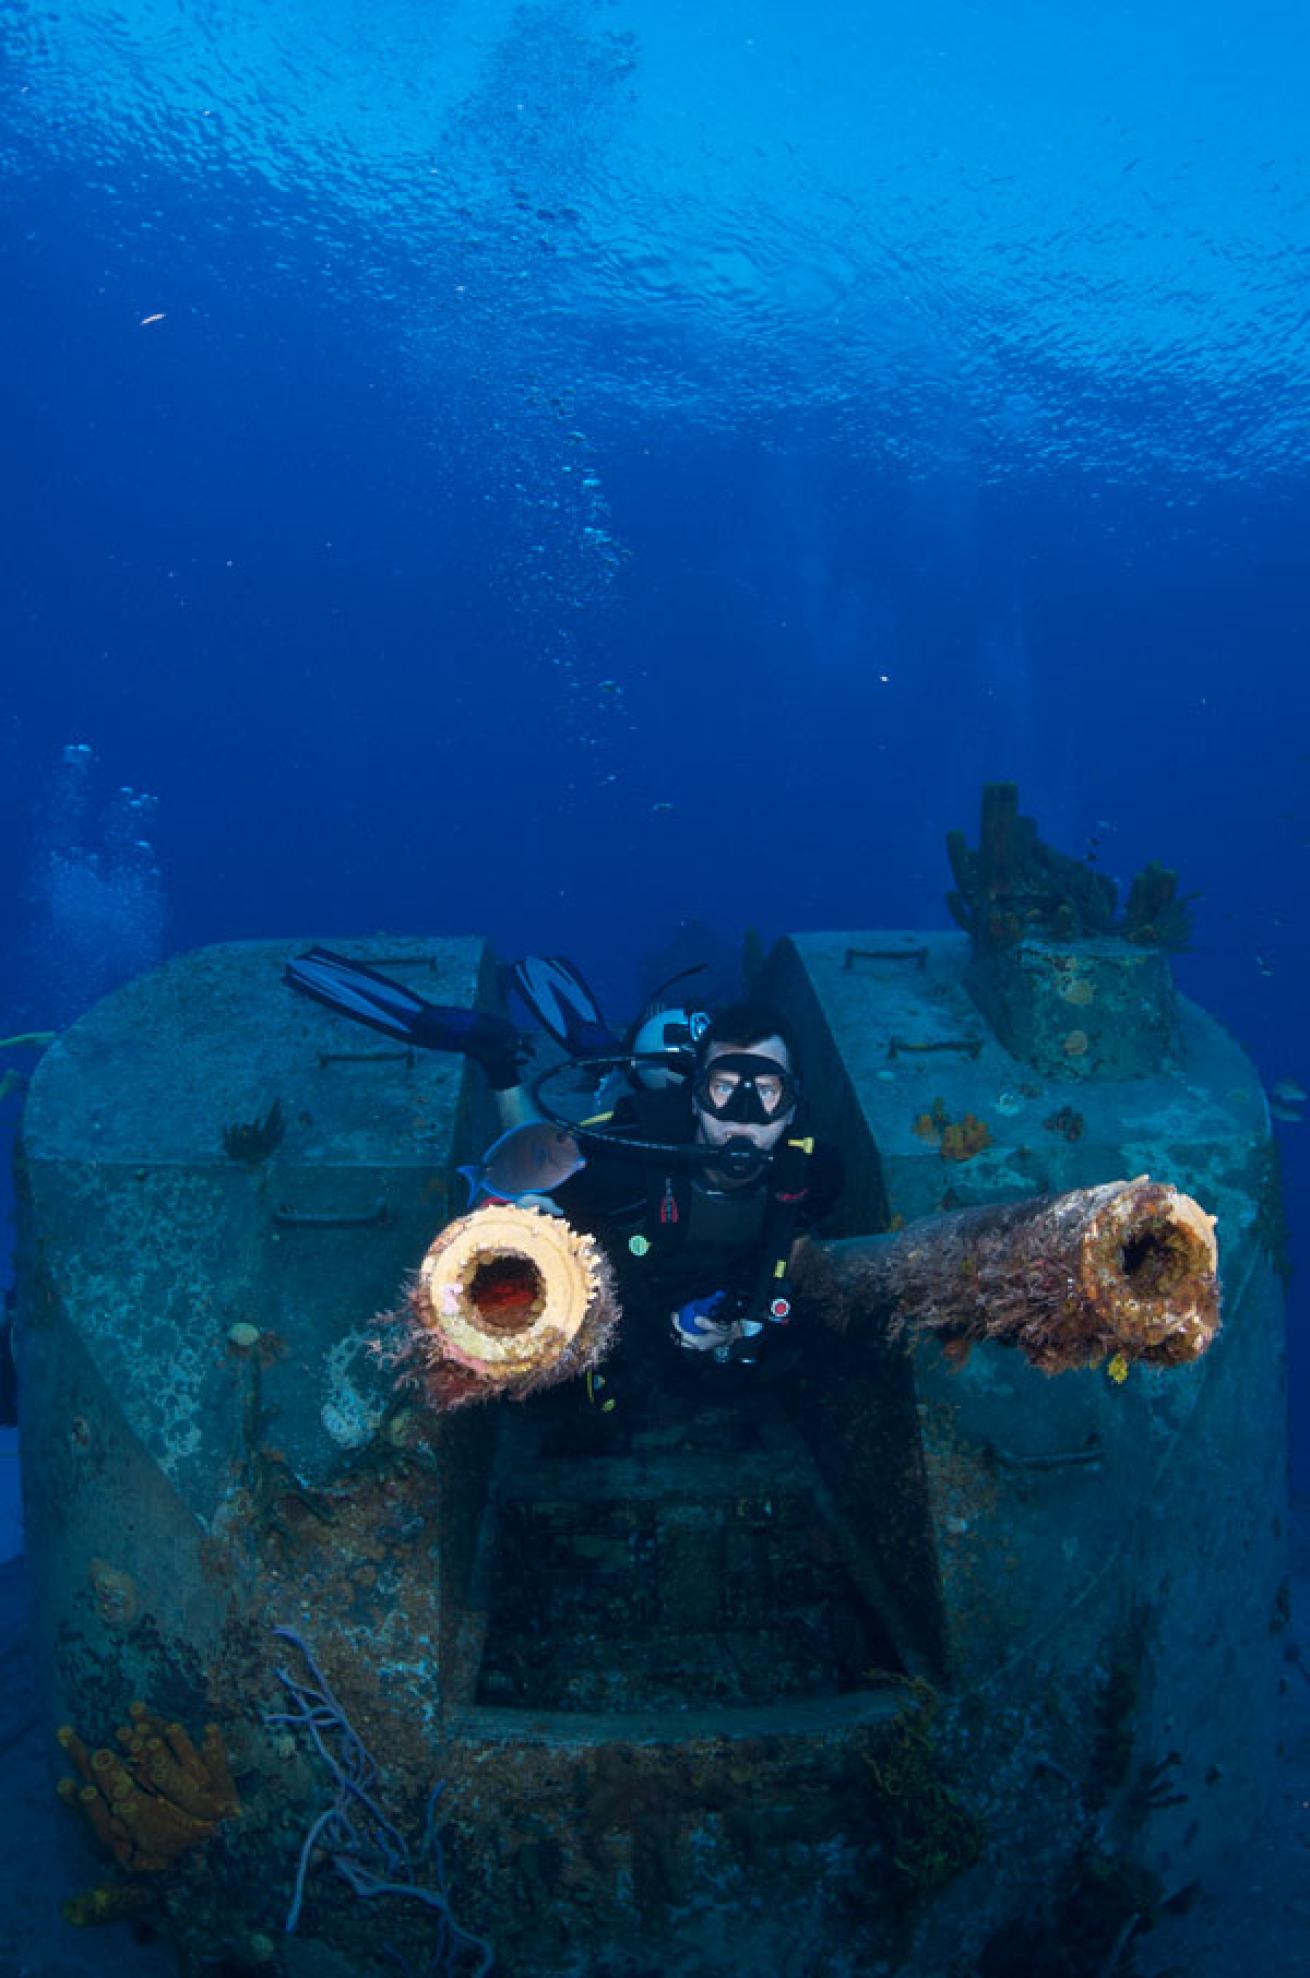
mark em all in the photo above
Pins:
pixel 630 1640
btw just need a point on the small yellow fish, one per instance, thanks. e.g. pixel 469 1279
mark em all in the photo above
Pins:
pixel 1118 1370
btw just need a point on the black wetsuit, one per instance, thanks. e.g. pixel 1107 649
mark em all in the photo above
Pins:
pixel 673 1237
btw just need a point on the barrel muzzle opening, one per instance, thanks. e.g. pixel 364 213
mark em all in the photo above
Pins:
pixel 1151 1260
pixel 504 1290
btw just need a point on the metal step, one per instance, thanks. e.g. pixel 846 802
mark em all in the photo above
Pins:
pixel 670 1573
pixel 730 1668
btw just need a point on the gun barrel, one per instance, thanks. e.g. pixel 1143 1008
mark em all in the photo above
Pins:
pixel 1129 1268
pixel 506 1301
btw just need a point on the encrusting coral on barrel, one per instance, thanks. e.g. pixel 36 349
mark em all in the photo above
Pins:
pixel 507 1300
pixel 162 1798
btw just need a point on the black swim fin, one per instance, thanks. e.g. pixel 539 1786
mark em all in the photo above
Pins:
pixel 356 991
pixel 556 993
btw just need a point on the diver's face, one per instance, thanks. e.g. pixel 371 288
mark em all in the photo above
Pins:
pixel 717 1132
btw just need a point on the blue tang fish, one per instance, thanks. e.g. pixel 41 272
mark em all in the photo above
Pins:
pixel 530 1159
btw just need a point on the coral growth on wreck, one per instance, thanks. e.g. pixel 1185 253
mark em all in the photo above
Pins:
pixel 1013 887
pixel 955 1140
pixel 1156 916
pixel 964 1138
pixel 357 1834
pixel 931 1835
pixel 252 1141
pixel 148 1804
pixel 1066 1122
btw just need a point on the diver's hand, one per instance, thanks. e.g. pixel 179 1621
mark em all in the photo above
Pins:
pixel 696 1328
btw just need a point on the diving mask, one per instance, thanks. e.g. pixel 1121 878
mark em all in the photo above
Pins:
pixel 745 1089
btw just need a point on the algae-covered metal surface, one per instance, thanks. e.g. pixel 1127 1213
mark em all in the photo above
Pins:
pixel 160 1241
pixel 223 1188
pixel 857 1671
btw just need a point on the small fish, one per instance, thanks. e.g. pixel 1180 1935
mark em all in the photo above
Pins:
pixel 608 687
pixel 659 807
pixel 158 317
pixel 1289 1092
pixel 1263 965
pixel 530 1159
pixel 1288 1113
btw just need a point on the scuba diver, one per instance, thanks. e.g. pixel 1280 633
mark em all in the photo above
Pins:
pixel 700 1187
pixel 697 1179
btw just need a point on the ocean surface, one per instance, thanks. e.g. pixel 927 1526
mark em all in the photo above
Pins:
pixel 607 475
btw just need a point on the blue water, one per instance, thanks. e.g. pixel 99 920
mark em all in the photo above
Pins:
pixel 609 475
